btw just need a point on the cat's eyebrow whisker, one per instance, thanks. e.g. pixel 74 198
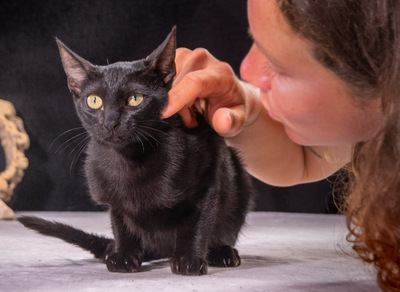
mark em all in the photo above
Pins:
pixel 64 133
pixel 65 145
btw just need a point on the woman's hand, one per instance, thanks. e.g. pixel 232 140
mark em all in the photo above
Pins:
pixel 211 87
pixel 233 109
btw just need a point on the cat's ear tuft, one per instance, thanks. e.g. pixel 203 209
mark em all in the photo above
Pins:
pixel 163 58
pixel 75 67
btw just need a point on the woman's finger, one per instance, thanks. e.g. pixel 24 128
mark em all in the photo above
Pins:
pixel 196 84
pixel 228 122
pixel 181 57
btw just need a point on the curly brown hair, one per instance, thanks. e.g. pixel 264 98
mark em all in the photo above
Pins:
pixel 360 42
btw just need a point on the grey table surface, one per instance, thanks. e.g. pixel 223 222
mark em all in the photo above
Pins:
pixel 279 251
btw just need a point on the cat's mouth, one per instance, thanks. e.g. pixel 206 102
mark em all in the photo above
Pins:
pixel 112 138
pixel 118 141
pixel 143 137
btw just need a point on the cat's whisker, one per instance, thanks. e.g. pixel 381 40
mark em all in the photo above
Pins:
pixel 159 121
pixel 140 140
pixel 78 146
pixel 144 136
pixel 76 158
pixel 82 146
pixel 63 134
pixel 67 143
pixel 147 134
pixel 152 129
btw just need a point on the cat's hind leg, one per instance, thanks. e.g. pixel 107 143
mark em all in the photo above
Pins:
pixel 223 256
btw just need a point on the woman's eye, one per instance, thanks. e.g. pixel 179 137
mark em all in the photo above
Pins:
pixel 94 102
pixel 135 100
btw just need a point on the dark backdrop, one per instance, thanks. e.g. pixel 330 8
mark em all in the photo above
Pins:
pixel 31 77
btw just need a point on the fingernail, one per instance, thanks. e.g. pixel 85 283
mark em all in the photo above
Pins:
pixel 163 112
pixel 228 125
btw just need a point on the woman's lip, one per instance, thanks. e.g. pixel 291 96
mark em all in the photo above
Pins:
pixel 273 116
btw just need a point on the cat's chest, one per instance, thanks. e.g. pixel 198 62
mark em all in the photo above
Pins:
pixel 117 180
pixel 118 171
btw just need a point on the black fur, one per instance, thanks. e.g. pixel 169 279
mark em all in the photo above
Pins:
pixel 172 192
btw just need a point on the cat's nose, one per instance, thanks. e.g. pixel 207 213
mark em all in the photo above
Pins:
pixel 111 126
pixel 111 120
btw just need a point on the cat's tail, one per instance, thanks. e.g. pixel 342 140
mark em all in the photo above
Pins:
pixel 99 246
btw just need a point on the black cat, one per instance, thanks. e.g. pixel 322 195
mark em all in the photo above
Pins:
pixel 172 191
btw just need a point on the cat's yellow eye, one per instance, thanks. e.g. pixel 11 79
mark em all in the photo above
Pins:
pixel 94 102
pixel 135 100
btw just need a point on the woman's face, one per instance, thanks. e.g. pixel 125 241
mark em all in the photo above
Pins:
pixel 313 104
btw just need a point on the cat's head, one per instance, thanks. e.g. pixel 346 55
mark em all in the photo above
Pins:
pixel 121 103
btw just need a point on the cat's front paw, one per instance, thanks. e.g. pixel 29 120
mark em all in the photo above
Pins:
pixel 224 256
pixel 188 266
pixel 120 263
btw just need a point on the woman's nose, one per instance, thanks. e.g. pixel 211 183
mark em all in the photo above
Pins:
pixel 251 69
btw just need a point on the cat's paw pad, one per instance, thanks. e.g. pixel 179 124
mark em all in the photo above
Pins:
pixel 120 263
pixel 188 266
pixel 224 256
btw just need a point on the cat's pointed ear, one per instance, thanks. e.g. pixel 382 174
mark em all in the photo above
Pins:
pixel 163 58
pixel 76 68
